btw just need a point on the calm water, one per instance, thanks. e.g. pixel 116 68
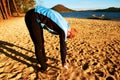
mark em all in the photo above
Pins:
pixel 111 15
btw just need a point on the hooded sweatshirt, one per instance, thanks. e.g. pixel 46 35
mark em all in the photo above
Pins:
pixel 55 17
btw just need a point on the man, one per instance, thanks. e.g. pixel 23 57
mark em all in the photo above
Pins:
pixel 41 18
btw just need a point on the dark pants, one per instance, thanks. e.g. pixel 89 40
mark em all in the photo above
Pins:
pixel 36 33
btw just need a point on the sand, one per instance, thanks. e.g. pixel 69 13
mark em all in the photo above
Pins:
pixel 93 54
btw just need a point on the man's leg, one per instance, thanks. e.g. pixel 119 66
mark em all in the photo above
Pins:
pixel 36 33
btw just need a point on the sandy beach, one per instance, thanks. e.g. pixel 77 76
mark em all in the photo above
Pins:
pixel 93 54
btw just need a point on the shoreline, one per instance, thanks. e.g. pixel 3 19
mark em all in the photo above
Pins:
pixel 93 19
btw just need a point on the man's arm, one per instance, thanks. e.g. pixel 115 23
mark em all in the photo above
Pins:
pixel 63 47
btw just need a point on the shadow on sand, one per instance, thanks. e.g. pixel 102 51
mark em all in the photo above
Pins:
pixel 8 50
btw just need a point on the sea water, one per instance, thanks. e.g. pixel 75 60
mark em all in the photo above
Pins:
pixel 109 15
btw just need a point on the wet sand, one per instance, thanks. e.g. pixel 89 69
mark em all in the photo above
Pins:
pixel 93 54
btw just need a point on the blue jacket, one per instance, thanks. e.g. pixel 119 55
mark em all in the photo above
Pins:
pixel 55 17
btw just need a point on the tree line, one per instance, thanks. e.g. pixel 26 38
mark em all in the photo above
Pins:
pixel 11 7
pixel 110 9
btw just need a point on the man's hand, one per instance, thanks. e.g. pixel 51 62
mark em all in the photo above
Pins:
pixel 65 67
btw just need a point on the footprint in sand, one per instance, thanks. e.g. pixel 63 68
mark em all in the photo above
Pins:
pixel 109 78
pixel 85 66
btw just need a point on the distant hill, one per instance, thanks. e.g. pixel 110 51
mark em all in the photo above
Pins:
pixel 111 9
pixel 61 8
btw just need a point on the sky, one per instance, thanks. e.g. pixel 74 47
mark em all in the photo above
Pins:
pixel 80 4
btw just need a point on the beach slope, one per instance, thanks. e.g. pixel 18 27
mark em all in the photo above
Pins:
pixel 93 54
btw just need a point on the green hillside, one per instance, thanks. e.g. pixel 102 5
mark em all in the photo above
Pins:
pixel 111 9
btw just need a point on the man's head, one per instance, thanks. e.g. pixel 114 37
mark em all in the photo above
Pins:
pixel 71 32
